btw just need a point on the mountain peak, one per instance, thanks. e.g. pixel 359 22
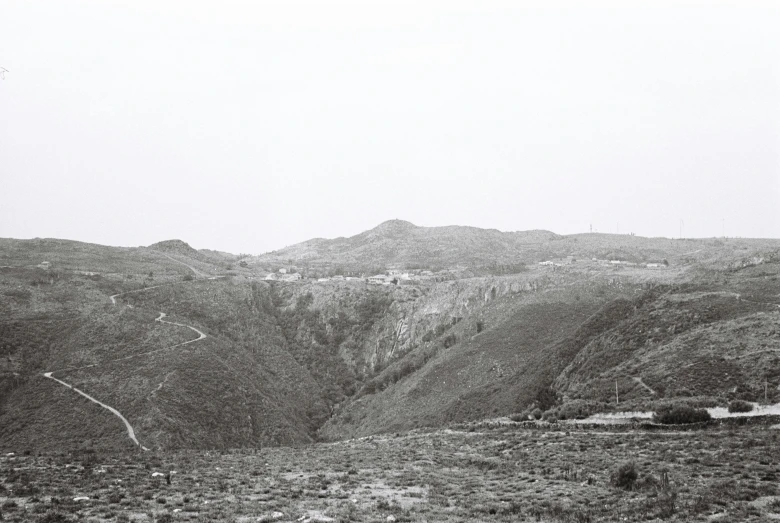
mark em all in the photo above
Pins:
pixel 177 246
pixel 394 226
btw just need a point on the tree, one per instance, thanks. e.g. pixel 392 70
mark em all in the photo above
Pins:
pixel 546 398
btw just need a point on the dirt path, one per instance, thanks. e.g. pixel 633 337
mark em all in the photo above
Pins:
pixel 645 385
pixel 193 269
pixel 130 431
pixel 115 296
pixel 739 297
pixel 115 412
pixel 201 335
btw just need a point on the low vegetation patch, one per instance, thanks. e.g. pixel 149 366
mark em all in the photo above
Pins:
pixel 680 414
pixel 625 476
pixel 740 406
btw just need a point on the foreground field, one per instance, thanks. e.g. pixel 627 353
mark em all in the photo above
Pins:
pixel 475 473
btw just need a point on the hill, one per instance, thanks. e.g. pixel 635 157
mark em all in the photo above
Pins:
pixel 403 245
pixel 289 362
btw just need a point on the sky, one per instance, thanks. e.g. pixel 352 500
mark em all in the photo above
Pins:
pixel 247 126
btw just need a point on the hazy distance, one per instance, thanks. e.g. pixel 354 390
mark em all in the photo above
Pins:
pixel 248 126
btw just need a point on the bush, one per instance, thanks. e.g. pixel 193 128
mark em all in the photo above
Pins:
pixel 579 409
pixel 188 277
pixel 450 340
pixel 740 406
pixel 625 476
pixel 681 414
pixel 546 398
pixel 53 517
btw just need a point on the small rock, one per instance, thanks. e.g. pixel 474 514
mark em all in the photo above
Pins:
pixel 10 454
pixel 177 510
pixel 390 518
pixel 157 474
pixel 277 515
pixel 81 498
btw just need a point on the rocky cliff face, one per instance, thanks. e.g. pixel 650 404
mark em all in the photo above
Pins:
pixel 410 316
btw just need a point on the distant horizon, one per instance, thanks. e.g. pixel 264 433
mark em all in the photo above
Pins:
pixel 258 253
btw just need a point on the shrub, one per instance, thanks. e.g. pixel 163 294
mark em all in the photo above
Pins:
pixel 53 517
pixel 740 406
pixel 520 416
pixel 450 340
pixel 188 277
pixel 579 409
pixel 625 476
pixel 546 398
pixel 680 414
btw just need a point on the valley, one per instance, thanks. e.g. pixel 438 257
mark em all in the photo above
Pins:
pixel 153 353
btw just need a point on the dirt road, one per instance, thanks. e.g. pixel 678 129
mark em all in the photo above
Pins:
pixel 130 431
pixel 115 412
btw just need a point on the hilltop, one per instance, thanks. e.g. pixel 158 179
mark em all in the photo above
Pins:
pixel 401 244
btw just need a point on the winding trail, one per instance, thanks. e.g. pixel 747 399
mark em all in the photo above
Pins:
pixel 115 296
pixel 201 335
pixel 115 412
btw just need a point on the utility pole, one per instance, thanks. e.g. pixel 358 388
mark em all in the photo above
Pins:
pixel 617 398
pixel 766 402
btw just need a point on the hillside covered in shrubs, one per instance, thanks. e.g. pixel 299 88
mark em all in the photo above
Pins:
pixel 294 362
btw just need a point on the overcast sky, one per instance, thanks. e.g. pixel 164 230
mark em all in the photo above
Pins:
pixel 247 126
